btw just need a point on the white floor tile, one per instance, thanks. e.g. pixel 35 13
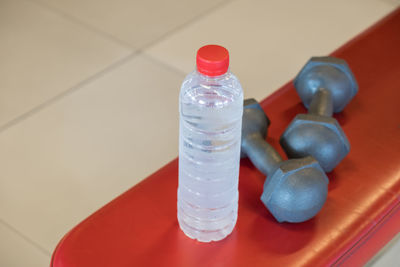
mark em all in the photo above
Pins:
pixel 135 22
pixel 270 41
pixel 69 159
pixel 42 55
pixel 15 251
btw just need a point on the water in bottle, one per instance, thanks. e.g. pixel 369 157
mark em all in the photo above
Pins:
pixel 211 107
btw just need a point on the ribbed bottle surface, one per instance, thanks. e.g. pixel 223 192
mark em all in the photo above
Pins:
pixel 209 153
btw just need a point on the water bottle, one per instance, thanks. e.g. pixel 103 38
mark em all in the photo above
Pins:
pixel 211 108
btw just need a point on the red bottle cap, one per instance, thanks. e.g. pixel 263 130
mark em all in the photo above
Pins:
pixel 212 60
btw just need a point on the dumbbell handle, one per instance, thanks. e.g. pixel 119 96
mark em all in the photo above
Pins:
pixel 261 154
pixel 321 103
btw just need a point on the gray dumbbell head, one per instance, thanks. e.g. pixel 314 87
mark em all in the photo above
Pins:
pixel 318 136
pixel 330 73
pixel 296 191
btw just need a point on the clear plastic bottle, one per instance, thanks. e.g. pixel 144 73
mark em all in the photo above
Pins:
pixel 211 108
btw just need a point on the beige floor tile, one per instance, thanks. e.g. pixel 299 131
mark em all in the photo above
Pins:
pixel 74 156
pixel 269 41
pixel 15 251
pixel 137 23
pixel 42 55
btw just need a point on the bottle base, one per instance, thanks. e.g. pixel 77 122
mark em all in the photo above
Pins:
pixel 206 235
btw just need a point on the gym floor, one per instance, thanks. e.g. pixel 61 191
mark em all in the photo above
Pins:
pixel 89 94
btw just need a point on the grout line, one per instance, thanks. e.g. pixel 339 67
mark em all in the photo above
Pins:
pixel 172 67
pixel 127 45
pixel 158 61
pixel 67 92
pixel 24 237
pixel 83 24
pixel 111 37
pixel 187 23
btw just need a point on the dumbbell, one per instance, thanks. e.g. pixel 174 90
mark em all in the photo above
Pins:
pixel 296 189
pixel 325 85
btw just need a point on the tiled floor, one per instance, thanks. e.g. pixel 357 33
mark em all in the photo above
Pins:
pixel 87 87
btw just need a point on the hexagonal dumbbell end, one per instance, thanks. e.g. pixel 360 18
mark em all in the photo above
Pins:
pixel 330 73
pixel 296 191
pixel 318 136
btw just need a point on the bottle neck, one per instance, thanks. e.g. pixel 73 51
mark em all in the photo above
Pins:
pixel 213 78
